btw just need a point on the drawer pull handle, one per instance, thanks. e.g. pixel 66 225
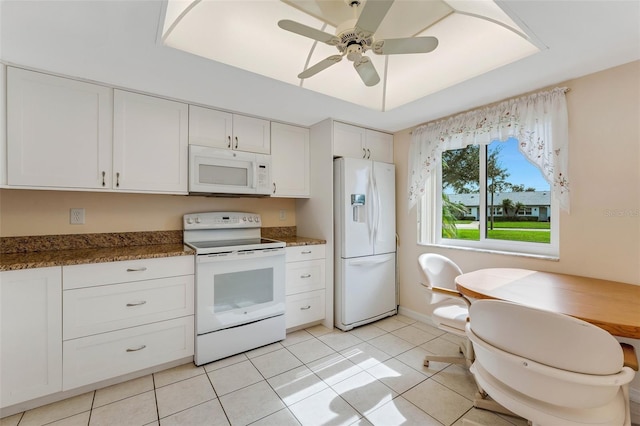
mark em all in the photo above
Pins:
pixel 142 302
pixel 136 349
pixel 306 252
pixel 304 308
pixel 142 269
pixel 305 276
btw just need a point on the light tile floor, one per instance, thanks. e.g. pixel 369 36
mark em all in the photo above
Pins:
pixel 372 375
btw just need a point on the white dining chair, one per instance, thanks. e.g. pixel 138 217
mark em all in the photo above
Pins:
pixel 550 368
pixel 450 307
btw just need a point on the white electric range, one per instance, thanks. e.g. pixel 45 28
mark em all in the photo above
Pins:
pixel 240 290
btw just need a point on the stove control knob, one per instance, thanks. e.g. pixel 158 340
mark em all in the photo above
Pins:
pixel 250 219
pixel 189 221
pixel 256 219
pixel 244 219
pixel 197 220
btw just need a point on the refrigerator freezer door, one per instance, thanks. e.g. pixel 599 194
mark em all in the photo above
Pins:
pixel 385 211
pixel 367 288
pixel 354 204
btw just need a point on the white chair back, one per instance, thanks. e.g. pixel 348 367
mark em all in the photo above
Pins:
pixel 547 356
pixel 439 271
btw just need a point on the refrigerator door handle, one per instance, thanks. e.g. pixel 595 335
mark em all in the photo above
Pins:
pixel 376 207
pixel 367 262
pixel 371 209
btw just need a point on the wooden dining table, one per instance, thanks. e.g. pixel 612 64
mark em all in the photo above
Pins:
pixel 610 305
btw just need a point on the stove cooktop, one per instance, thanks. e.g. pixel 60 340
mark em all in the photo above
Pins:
pixel 208 247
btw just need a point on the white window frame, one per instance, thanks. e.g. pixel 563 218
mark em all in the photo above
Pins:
pixel 434 226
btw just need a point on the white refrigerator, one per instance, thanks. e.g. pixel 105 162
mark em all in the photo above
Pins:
pixel 365 241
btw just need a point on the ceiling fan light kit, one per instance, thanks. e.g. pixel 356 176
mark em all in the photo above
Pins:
pixel 356 36
pixel 392 45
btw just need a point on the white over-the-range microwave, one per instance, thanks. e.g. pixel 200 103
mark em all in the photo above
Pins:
pixel 215 171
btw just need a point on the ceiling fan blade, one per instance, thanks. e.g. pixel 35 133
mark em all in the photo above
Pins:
pixel 405 45
pixel 303 30
pixel 367 71
pixel 322 65
pixel 372 15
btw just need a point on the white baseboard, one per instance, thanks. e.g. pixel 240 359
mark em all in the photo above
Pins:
pixel 415 315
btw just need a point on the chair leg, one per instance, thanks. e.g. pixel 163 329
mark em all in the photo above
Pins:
pixel 486 403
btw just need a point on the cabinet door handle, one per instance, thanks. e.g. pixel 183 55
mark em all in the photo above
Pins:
pixel 103 175
pixel 368 153
pixel 139 348
pixel 141 269
pixel 306 252
pixel 118 180
pixel 229 144
pixel 274 187
pixel 305 276
pixel 142 302
pixel 236 138
pixel 304 308
pixel 364 153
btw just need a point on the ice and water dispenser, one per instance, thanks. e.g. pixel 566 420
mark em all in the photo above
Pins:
pixel 357 204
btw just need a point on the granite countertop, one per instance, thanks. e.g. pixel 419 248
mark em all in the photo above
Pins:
pixel 42 259
pixel 293 241
pixel 60 250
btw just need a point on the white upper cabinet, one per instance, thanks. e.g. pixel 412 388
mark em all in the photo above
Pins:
pixel 379 146
pixel 348 141
pixel 219 129
pixel 290 161
pixel 357 142
pixel 3 125
pixel 58 132
pixel 150 144
pixel 68 134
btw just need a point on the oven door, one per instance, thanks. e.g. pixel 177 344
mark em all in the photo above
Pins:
pixel 238 288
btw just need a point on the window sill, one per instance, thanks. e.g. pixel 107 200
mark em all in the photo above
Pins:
pixel 500 252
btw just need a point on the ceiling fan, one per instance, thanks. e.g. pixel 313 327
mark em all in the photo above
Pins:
pixel 355 36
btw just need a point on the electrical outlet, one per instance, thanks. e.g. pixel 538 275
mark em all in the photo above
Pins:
pixel 283 214
pixel 76 216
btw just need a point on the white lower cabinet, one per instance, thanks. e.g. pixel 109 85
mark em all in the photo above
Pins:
pixel 304 308
pixel 121 317
pixel 31 334
pixel 305 285
pixel 102 356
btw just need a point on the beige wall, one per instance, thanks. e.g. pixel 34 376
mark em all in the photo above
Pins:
pixel 30 212
pixel 604 167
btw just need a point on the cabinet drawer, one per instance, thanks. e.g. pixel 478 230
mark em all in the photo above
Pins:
pixel 305 276
pixel 100 309
pixel 311 252
pixel 103 356
pixel 304 308
pixel 94 274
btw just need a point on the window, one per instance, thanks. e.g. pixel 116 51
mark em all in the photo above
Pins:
pixel 534 130
pixel 487 196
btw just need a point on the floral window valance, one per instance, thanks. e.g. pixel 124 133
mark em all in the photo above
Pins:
pixel 539 122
